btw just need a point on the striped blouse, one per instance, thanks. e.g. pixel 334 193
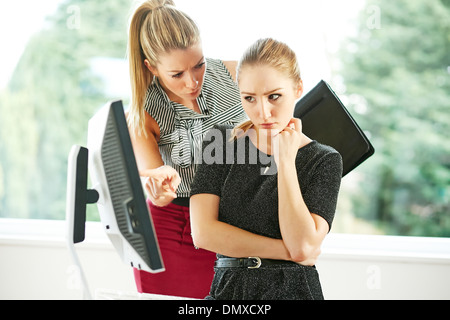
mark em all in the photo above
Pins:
pixel 182 129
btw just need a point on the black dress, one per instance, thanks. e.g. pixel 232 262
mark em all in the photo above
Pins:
pixel 247 187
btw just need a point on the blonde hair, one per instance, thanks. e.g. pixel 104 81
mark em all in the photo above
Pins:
pixel 156 27
pixel 272 53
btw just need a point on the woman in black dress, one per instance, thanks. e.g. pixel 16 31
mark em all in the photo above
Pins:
pixel 265 195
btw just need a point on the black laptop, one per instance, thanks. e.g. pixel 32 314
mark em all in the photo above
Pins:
pixel 325 119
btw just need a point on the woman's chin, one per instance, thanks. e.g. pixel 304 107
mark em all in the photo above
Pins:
pixel 272 132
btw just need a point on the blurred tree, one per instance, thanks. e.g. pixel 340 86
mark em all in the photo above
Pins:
pixel 51 96
pixel 396 74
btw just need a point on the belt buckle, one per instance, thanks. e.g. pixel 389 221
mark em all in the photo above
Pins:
pixel 258 262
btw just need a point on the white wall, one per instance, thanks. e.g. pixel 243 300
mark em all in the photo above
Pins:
pixel 350 267
pixel 40 266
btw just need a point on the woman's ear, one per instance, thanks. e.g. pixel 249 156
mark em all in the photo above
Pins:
pixel 299 89
pixel 150 68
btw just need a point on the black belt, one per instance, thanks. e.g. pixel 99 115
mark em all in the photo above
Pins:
pixel 250 262
pixel 181 202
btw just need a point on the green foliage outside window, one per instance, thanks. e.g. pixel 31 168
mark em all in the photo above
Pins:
pixel 397 76
pixel 50 98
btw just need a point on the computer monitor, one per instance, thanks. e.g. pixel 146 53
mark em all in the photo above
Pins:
pixel 326 119
pixel 117 190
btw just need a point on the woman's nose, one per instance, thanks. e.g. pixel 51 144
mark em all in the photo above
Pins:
pixel 192 82
pixel 265 110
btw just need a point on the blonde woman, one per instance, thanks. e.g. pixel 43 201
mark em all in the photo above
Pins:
pixel 279 220
pixel 177 95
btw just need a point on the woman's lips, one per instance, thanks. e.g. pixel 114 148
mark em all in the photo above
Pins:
pixel 267 125
pixel 195 92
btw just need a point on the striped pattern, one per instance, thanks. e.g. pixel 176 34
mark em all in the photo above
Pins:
pixel 182 130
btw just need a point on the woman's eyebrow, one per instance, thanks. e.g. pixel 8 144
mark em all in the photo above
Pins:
pixel 265 94
pixel 201 60
pixel 178 71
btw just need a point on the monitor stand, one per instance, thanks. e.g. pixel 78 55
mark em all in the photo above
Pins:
pixel 78 196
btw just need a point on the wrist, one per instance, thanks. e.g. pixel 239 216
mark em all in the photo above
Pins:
pixel 163 200
pixel 160 202
pixel 286 163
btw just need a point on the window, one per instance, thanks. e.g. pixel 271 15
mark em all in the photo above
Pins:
pixel 387 60
pixel 395 71
pixel 67 70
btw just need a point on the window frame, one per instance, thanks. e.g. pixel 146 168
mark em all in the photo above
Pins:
pixel 336 245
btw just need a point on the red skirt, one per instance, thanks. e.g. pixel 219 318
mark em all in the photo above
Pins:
pixel 188 271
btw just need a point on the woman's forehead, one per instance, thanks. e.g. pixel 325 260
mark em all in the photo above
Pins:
pixel 181 59
pixel 262 79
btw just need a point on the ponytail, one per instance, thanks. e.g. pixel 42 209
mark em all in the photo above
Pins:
pixel 241 129
pixel 140 75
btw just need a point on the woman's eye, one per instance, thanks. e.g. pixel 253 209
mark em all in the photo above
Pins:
pixel 274 96
pixel 249 99
pixel 199 66
pixel 178 75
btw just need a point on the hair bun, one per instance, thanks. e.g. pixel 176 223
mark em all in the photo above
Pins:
pixel 156 4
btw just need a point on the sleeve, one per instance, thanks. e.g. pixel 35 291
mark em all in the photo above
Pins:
pixel 321 195
pixel 213 168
